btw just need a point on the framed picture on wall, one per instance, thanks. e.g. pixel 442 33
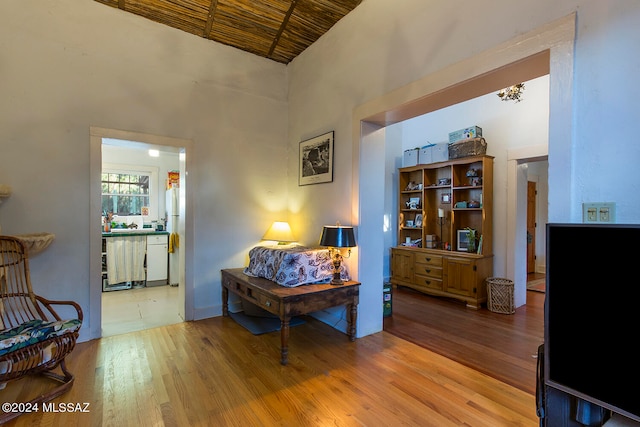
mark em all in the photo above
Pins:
pixel 316 160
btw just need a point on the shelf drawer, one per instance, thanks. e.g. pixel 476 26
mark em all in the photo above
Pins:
pixel 237 287
pixel 428 281
pixel 429 259
pixel 162 239
pixel 253 296
pixel 269 304
pixel 428 270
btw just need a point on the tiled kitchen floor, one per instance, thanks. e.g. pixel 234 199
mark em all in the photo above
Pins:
pixel 137 309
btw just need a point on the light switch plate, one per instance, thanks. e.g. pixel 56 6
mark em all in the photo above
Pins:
pixel 601 212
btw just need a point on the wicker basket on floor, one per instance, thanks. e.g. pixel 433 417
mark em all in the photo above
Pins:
pixel 500 295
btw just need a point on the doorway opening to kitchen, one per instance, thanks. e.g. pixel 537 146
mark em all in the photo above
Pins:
pixel 142 281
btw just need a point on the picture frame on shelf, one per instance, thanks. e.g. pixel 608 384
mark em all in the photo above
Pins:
pixel 463 240
pixel 316 160
pixel 445 198
pixel 414 203
pixel 418 221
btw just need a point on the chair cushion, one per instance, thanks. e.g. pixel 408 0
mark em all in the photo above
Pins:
pixel 34 331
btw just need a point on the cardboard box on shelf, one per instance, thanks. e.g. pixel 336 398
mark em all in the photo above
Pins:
pixel 466 133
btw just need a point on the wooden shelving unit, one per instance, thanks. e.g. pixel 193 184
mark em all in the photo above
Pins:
pixel 429 256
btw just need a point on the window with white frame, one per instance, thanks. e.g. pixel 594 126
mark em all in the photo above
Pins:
pixel 127 190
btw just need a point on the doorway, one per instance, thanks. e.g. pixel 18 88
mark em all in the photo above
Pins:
pixel 184 290
pixel 551 44
pixel 135 306
pixel 531 227
pixel 537 193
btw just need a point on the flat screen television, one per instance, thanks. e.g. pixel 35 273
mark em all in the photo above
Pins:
pixel 592 314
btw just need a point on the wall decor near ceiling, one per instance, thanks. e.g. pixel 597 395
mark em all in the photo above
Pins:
pixel 512 93
pixel 316 160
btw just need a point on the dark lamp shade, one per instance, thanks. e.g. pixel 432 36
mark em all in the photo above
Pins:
pixel 337 237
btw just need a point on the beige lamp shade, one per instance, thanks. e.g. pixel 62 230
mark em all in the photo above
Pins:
pixel 280 232
pixel 5 190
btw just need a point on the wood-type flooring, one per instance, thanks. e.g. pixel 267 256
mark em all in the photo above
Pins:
pixel 503 346
pixel 213 372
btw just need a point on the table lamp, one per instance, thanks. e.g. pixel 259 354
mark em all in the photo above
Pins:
pixel 337 237
pixel 280 232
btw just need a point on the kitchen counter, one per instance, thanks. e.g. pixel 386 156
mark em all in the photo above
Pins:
pixel 143 232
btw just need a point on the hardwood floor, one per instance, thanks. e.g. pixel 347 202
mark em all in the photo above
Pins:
pixel 213 372
pixel 502 346
pixel 536 282
pixel 535 276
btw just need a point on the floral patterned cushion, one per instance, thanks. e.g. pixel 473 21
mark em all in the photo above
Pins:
pixel 34 331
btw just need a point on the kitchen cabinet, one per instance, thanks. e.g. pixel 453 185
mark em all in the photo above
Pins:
pixel 155 251
pixel 157 260
pixel 106 285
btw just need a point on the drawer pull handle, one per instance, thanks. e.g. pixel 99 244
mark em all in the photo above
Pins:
pixel 428 259
pixel 427 270
pixel 428 282
pixel 268 303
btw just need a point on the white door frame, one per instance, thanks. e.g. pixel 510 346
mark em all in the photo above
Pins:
pixel 186 226
pixel 457 83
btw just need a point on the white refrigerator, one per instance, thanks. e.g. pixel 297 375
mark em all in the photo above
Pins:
pixel 172 206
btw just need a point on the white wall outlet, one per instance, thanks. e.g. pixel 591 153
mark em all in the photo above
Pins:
pixel 600 212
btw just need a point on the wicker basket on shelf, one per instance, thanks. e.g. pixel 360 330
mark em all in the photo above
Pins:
pixel 467 147
pixel 500 295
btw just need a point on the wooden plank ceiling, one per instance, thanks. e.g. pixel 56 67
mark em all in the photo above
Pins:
pixel 275 29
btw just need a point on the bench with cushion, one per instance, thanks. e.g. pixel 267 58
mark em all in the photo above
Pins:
pixel 34 339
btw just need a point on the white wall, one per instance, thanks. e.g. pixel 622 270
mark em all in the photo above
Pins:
pixel 68 66
pixel 505 124
pixel 382 48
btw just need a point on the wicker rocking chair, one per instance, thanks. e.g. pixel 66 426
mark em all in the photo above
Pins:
pixel 34 339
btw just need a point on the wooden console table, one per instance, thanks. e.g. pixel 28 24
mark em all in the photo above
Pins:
pixel 287 302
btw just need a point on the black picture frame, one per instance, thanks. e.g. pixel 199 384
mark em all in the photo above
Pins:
pixel 315 163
